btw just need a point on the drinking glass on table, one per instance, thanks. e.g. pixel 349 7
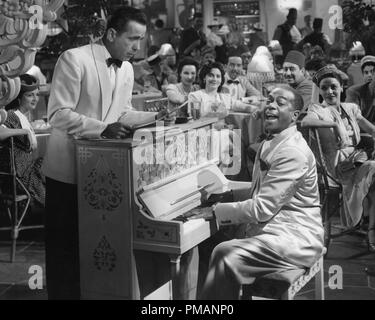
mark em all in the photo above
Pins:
pixel 195 108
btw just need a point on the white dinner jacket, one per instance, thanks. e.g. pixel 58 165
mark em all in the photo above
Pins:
pixel 81 105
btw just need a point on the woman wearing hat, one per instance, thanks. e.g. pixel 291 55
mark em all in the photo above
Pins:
pixel 28 169
pixel 339 127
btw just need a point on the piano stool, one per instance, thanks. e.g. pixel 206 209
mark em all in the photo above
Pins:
pixel 284 285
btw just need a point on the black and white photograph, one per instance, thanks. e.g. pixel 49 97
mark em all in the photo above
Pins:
pixel 187 155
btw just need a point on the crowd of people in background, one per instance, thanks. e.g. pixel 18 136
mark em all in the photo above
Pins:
pixel 262 60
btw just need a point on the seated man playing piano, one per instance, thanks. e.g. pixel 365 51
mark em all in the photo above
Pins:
pixel 280 217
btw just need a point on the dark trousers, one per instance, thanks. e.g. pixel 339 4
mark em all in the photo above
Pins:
pixel 62 250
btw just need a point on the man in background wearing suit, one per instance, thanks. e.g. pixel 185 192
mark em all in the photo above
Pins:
pixel 279 217
pixel 364 94
pixel 90 98
pixel 237 85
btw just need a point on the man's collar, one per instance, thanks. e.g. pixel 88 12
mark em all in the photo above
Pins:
pixel 371 86
pixel 227 77
pixel 106 52
pixel 281 135
pixel 298 83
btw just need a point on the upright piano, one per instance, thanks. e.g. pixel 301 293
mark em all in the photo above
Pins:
pixel 135 199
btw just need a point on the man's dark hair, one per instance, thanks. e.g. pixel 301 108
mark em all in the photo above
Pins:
pixel 297 101
pixel 292 12
pixel 186 62
pixel 121 17
pixel 370 63
pixel 205 70
pixel 159 23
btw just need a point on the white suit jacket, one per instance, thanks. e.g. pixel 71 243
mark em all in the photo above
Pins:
pixel 81 105
pixel 283 211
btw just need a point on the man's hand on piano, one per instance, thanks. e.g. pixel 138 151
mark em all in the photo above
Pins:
pixel 202 213
pixel 216 197
pixel 116 130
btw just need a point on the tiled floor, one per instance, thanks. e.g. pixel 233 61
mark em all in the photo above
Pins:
pixel 343 255
pixel 15 277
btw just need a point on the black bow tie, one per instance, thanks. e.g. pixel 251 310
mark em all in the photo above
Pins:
pixel 233 81
pixel 111 61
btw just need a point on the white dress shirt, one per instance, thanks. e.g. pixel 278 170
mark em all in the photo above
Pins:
pixel 112 69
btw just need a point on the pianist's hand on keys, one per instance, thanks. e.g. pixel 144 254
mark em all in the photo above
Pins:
pixel 202 213
pixel 215 198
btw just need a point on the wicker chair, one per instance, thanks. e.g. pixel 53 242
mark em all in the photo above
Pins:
pixel 14 199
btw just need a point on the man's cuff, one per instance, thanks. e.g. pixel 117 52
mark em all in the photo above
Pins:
pixel 102 135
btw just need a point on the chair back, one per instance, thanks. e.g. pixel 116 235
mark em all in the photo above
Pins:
pixel 10 184
pixel 8 174
pixel 316 146
pixel 330 188
pixel 12 193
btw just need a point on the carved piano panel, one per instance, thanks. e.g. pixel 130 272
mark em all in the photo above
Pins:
pixel 104 222
pixel 111 218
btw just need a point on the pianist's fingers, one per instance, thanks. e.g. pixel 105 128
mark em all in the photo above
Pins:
pixel 202 213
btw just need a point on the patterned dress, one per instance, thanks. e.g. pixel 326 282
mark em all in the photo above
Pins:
pixel 357 181
pixel 28 169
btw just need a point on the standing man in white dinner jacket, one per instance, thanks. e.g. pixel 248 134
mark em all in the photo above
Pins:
pixel 90 98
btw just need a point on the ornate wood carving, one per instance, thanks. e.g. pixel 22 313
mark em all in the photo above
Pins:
pixel 23 28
